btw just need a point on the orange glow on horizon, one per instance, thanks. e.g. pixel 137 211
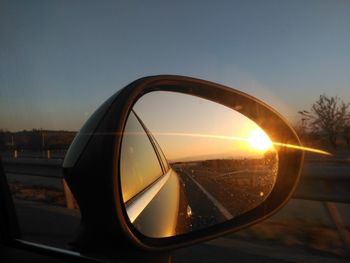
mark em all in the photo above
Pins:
pixel 235 138
pixel 248 140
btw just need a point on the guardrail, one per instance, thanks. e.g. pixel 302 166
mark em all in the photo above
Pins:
pixel 49 169
pixel 35 167
pixel 324 188
pixel 318 187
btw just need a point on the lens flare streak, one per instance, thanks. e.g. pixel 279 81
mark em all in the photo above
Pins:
pixel 297 147
pixel 235 138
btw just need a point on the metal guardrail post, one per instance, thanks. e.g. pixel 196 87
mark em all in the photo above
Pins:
pixel 338 222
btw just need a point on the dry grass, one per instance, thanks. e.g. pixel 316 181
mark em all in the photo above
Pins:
pixel 38 193
pixel 296 233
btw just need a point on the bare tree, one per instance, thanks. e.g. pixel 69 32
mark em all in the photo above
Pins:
pixel 328 115
pixel 346 134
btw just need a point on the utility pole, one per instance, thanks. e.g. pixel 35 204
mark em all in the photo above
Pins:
pixel 305 116
pixel 42 140
pixel 48 152
pixel 15 153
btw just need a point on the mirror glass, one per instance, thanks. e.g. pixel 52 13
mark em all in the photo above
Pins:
pixel 188 163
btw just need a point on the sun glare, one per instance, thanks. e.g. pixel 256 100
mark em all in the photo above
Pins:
pixel 259 141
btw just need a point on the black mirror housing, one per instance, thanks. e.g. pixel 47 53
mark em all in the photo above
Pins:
pixel 91 167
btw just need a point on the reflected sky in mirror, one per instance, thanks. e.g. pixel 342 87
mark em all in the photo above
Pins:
pixel 189 128
pixel 217 164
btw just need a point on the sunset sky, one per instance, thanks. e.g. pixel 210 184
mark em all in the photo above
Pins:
pixel 59 60
pixel 188 127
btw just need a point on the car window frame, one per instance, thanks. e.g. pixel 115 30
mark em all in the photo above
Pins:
pixel 163 159
pixel 154 145
pixel 162 166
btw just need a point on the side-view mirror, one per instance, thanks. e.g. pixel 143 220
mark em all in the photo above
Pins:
pixel 169 161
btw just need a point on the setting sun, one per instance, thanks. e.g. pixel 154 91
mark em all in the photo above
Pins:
pixel 259 141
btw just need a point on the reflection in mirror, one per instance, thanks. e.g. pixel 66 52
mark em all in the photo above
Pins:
pixel 188 163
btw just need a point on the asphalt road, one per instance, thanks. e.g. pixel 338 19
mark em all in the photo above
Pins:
pixel 216 198
pixel 46 224
pixel 205 212
pixel 57 226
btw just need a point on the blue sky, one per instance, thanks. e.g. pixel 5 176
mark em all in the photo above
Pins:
pixel 59 60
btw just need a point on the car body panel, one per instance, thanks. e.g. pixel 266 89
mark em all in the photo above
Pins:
pixel 156 205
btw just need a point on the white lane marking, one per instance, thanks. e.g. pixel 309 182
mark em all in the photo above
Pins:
pixel 135 207
pixel 235 172
pixel 216 203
